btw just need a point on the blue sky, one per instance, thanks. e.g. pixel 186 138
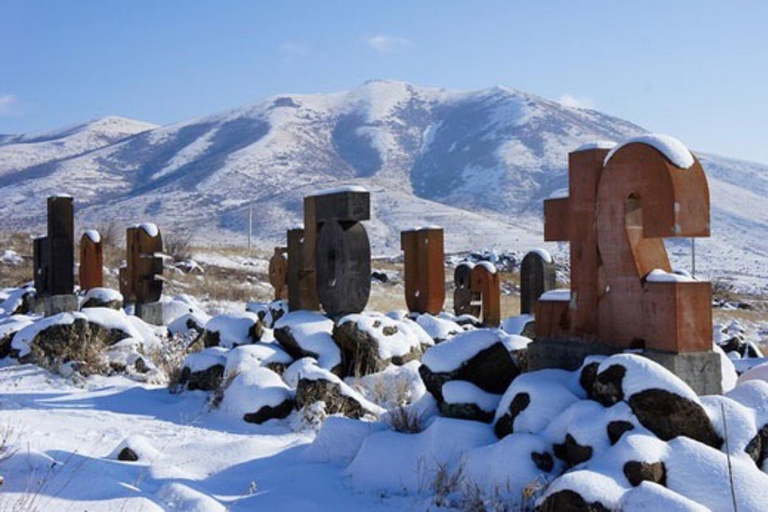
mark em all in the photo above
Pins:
pixel 694 69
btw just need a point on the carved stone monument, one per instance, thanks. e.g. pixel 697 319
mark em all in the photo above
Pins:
pixel 623 292
pixel 141 280
pixel 484 281
pixel 329 260
pixel 91 261
pixel 424 269
pixel 537 275
pixel 465 300
pixel 278 273
pixel 54 258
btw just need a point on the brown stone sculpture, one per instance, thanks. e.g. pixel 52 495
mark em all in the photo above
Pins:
pixel 537 275
pixel 465 301
pixel 484 281
pixel 329 260
pixel 616 219
pixel 141 279
pixel 278 273
pixel 343 251
pixel 54 255
pixel 91 261
pixel 424 269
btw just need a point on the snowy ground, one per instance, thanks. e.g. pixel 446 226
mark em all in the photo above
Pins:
pixel 67 436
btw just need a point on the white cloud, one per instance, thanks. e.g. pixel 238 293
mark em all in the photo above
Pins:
pixel 294 48
pixel 576 102
pixel 8 104
pixel 387 44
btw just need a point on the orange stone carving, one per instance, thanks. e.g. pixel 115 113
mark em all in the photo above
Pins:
pixel 616 218
pixel 485 282
pixel 278 273
pixel 91 263
pixel 424 269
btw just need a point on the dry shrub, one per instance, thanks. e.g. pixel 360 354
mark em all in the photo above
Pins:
pixel 404 420
pixel 177 243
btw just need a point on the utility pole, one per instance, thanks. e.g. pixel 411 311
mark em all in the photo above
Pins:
pixel 250 224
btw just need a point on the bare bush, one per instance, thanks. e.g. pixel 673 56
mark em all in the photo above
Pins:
pixel 177 243
pixel 404 420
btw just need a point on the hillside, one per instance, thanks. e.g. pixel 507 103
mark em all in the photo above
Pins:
pixel 477 162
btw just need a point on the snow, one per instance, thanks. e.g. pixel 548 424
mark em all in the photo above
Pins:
pixel 141 446
pixel 452 353
pixel 205 359
pixel 592 486
pixel 398 344
pixel 249 391
pixel 103 295
pixel 556 296
pixel 233 328
pixel 339 440
pixel 759 372
pixel 674 150
pixel 660 276
pixel 402 463
pixel 93 235
pixel 561 193
pixel 642 373
pixel 598 144
pixel 312 331
pixel 541 253
pixel 338 190
pixel 462 392
pixel 149 228
pixel 516 324
pixel 438 328
pixel 10 257
pixel 487 265
pixel 247 357
pixel 651 497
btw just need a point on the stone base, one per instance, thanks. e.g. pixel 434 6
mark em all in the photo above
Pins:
pixel 56 304
pixel 700 370
pixel 151 312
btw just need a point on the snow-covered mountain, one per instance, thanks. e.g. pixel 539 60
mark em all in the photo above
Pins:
pixel 478 162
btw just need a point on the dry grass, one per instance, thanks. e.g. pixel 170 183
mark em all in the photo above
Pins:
pixel 404 420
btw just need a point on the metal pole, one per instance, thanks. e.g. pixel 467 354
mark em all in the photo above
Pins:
pixel 250 223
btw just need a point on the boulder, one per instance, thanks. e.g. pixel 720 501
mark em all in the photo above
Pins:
pixel 204 370
pixel 8 328
pixel 315 384
pixel 757 448
pixel 102 298
pixel 638 472
pixel 569 501
pixel 482 357
pixel 438 328
pixel 616 429
pixel 370 342
pixel 572 452
pixel 309 334
pixel 464 400
pixel 257 395
pixel 505 423
pixel 662 402
pixel 233 329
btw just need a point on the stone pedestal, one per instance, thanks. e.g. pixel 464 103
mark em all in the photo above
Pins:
pixel 55 304
pixel 150 312
pixel 700 370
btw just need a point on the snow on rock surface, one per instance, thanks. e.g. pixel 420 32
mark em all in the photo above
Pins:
pixel 660 276
pixel 392 339
pixel 598 144
pixel 93 235
pixel 233 329
pixel 674 150
pixel 438 328
pixel 257 395
pixel 307 333
pixel 463 392
pixel 449 355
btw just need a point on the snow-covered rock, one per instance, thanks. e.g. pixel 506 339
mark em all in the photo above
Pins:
pixel 204 370
pixel 102 298
pixel 230 330
pixel 309 334
pixel 257 395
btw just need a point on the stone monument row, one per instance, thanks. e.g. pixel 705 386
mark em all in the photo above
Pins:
pixel 623 293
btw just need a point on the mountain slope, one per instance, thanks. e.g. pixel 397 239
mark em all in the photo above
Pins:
pixel 477 162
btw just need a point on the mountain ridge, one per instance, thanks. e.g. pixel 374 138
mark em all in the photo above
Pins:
pixel 477 162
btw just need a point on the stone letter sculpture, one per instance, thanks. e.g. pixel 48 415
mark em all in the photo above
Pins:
pixel 537 275
pixel 424 269
pixel 141 279
pixel 616 219
pixel 343 251
pixel 278 273
pixel 54 255
pixel 484 281
pixel 465 301
pixel 91 261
